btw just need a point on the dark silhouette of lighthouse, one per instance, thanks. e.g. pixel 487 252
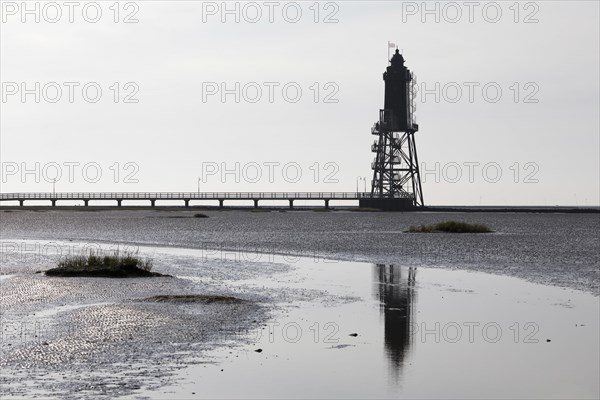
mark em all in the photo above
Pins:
pixel 396 183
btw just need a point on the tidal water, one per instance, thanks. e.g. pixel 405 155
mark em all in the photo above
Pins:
pixel 351 306
pixel 410 333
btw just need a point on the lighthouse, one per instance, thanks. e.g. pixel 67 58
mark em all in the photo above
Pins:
pixel 396 183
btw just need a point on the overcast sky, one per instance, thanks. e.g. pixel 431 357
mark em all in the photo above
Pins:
pixel 170 125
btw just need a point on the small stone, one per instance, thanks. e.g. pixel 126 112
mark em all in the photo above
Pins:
pixel 547 340
pixel 353 334
pixel 258 350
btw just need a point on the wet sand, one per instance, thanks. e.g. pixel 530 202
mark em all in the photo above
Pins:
pixel 325 328
pixel 78 337
pixel 553 249
pixel 74 337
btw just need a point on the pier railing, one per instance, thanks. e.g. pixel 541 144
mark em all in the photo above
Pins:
pixel 186 196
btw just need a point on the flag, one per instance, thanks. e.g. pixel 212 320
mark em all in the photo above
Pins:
pixel 391 45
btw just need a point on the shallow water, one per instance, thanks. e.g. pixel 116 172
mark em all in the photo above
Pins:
pixel 422 333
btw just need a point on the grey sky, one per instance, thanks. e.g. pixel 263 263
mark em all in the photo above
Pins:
pixel 171 54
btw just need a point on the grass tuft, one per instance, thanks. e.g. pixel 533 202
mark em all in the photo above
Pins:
pixel 451 227
pixel 111 265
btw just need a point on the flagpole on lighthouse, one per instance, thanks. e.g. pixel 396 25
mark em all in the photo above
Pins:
pixel 388 50
pixel 390 46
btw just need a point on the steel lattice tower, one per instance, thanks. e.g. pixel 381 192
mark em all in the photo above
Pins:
pixel 396 180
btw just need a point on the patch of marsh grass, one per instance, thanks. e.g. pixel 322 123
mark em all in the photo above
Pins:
pixel 116 264
pixel 451 227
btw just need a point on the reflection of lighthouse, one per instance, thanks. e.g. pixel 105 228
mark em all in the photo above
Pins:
pixel 395 288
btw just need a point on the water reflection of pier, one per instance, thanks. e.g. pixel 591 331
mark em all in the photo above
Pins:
pixel 395 288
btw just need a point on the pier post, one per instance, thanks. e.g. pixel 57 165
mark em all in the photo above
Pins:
pixel 221 203
pixel 291 203
pixel 85 203
pixel 326 203
pixel 53 203
pixel 255 203
pixel 152 202
pixel 119 202
pixel 21 202
pixel 187 203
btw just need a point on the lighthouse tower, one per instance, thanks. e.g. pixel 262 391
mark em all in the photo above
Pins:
pixel 396 183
